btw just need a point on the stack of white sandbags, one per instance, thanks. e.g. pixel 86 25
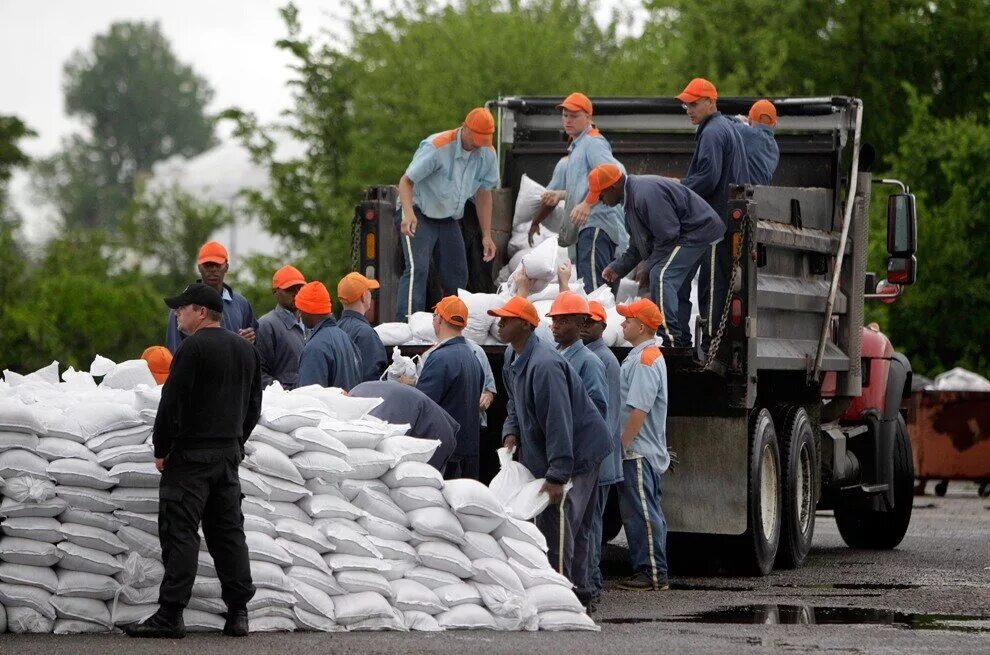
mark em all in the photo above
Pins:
pixel 528 202
pixel 347 526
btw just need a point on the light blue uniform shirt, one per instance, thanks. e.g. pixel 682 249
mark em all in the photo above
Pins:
pixel 591 370
pixel 611 468
pixel 445 175
pixel 587 151
pixel 643 386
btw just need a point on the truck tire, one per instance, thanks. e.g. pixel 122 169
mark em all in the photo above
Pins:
pixel 800 488
pixel 863 527
pixel 758 546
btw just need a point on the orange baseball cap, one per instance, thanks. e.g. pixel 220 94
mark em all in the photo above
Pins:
pixel 644 310
pixel 212 253
pixel 697 89
pixel 763 111
pixel 577 102
pixel 353 285
pixel 518 307
pixel 287 277
pixel 453 310
pixel 597 310
pixel 159 361
pixel 600 178
pixel 567 303
pixel 314 299
pixel 482 125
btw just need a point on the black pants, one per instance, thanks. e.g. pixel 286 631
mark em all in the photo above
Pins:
pixel 460 466
pixel 203 486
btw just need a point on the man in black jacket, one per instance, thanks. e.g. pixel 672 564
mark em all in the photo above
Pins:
pixel 209 406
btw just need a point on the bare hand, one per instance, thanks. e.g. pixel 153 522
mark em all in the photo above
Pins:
pixel 534 229
pixel 564 272
pixel 642 276
pixel 511 443
pixel 523 283
pixel 489 246
pixel 160 463
pixel 408 225
pixel 555 491
pixel 247 334
pixel 551 198
pixel 405 379
pixel 579 215
pixel 609 275
pixel 486 400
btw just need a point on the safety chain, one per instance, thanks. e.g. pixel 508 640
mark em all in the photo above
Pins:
pixel 356 243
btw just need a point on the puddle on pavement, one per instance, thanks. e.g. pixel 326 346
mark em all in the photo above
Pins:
pixel 686 586
pixel 807 615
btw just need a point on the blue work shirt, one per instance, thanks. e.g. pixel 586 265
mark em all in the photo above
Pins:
pixel 329 358
pixel 591 370
pixel 445 175
pixel 611 468
pixel 762 153
pixel 452 378
pixel 367 342
pixel 660 215
pixel 237 315
pixel 561 434
pixel 719 160
pixel 280 340
pixel 486 371
pixel 587 151
pixel 643 386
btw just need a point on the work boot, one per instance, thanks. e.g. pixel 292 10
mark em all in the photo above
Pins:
pixel 643 582
pixel 237 623
pixel 160 625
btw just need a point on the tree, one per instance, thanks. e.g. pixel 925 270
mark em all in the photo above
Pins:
pixel 12 130
pixel 141 105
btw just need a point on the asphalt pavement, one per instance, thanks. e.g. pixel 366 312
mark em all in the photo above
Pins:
pixel 930 595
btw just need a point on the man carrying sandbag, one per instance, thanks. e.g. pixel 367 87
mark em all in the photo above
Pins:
pixel 209 406
pixel 560 436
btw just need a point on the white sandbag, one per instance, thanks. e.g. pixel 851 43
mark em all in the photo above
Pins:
pixel 380 505
pixel 135 499
pixel 57 424
pixel 82 609
pixel 285 420
pixel 140 571
pixel 421 622
pixel 314 622
pixel 431 578
pixel 207 587
pixel 24 620
pixel 478 320
pixel 341 406
pixel 414 596
pixel 445 557
pixel 348 541
pixel 96 538
pixel 10 508
pixel 395 622
pixel 289 511
pixel 318 486
pixel 397 569
pixel 393 549
pixel 413 474
pixel 303 533
pixel 140 542
pixel 393 334
pixel 556 621
pixel 350 487
pixel 512 477
pixel 523 531
pixel 129 375
pixel 34 528
pixel 525 553
pixel 24 440
pixel 37 576
pixel 138 596
pixel 19 462
pixel 25 488
pixel 302 555
pixel 197 621
pixel 313 464
pixel 459 593
pixel 510 610
pixel 280 441
pixel 313 600
pixel 264 598
pixel 265 575
pixel 340 562
pixel 129 436
pixel 959 379
pixel 125 614
pixel 80 473
pixel 137 475
pixel 326 506
pixel 437 522
pixel 53 448
pixel 540 264
pixel 16 417
pixel 352 608
pixel 147 397
pixel 260 524
pixel 475 523
pixel 408 449
pixel 551 598
pixel 140 453
pixel 531 500
pixel 102 520
pixel 317 440
pixel 205 565
pixel 478 545
pixel 323 581
pixel 18 595
pixel 383 529
pixel 88 560
pixel 550 293
pixel 355 581
pixel 252 506
pixel 489 570
pixel 411 498
pixel 472 497
pixel 272 624
pixel 87 585
pixel 266 459
pixel 367 464
pixel 252 483
pixel 401 366
pixel 17 550
pixel 96 418
pixel 357 433
pixel 467 617
pixel 421 325
pixel 75 627
pixel 265 549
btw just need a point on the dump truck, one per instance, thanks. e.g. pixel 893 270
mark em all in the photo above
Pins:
pixel 794 407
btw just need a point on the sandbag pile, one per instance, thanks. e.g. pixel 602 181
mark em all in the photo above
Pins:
pixel 348 528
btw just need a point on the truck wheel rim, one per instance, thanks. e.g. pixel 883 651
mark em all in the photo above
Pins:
pixel 803 490
pixel 769 487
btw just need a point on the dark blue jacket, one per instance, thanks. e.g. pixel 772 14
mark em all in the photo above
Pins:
pixel 367 342
pixel 280 342
pixel 660 215
pixel 719 160
pixel 329 358
pixel 404 404
pixel 762 153
pixel 237 315
pixel 561 434
pixel 452 377
pixel 611 468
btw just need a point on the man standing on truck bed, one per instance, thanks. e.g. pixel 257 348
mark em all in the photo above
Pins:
pixel 447 170
pixel 762 153
pixel 671 230
pixel 597 231
pixel 560 436
pixel 719 160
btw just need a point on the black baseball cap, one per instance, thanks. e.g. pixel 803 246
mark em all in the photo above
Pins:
pixel 197 294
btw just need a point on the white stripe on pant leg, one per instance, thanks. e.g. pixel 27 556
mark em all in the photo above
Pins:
pixel 711 289
pixel 666 328
pixel 594 271
pixel 649 526
pixel 561 539
pixel 412 278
